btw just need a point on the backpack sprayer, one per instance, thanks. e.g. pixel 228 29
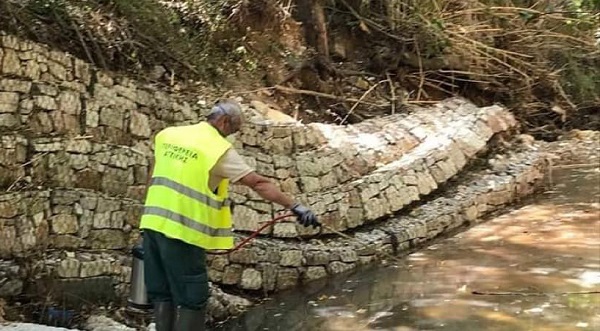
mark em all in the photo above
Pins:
pixel 138 298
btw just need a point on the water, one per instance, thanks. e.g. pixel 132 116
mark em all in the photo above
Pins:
pixel 528 259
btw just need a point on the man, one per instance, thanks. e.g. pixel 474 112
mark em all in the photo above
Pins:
pixel 187 212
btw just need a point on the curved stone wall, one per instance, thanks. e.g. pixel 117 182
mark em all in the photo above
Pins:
pixel 361 173
pixel 278 264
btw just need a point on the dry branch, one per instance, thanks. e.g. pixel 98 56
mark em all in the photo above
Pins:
pixel 292 90
pixel 360 100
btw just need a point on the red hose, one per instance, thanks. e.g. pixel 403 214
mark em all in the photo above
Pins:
pixel 252 236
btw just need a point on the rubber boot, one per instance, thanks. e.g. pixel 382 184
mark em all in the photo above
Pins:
pixel 190 320
pixel 164 316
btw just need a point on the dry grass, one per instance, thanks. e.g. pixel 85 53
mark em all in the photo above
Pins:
pixel 539 59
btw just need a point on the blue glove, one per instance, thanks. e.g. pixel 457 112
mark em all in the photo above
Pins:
pixel 305 216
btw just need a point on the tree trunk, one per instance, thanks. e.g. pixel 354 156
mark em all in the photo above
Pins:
pixel 312 15
pixel 321 27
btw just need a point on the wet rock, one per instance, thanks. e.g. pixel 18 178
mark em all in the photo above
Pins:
pixel 287 278
pixel 32 327
pixel 269 275
pixel 337 267
pixel 103 323
pixel 251 279
pixel 225 304
pixel 314 273
pixel 317 257
pixel 291 258
pixel 348 255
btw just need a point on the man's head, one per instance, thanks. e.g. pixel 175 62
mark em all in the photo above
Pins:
pixel 226 117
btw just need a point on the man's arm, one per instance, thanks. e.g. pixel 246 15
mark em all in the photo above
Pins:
pixel 149 178
pixel 266 189
pixel 232 166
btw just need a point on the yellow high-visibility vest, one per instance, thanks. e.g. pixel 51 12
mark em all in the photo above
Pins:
pixel 179 202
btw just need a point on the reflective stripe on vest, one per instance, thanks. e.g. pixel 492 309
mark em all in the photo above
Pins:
pixel 157 211
pixel 190 192
pixel 179 202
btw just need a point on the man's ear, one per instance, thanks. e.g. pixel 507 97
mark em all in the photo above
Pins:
pixel 222 125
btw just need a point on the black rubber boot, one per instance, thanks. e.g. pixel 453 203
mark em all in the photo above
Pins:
pixel 164 316
pixel 190 320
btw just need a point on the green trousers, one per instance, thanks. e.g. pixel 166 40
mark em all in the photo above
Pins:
pixel 175 271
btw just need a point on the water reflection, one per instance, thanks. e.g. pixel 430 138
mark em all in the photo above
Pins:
pixel 525 261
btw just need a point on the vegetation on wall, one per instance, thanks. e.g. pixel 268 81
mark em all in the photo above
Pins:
pixel 131 36
pixel 370 56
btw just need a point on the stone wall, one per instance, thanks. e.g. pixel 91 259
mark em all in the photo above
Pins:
pixel 76 141
pixel 34 221
pixel 88 233
pixel 358 174
pixel 68 125
pixel 278 264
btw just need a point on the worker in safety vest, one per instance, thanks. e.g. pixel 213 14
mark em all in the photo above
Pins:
pixel 187 212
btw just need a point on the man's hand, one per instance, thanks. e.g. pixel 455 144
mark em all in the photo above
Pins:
pixel 305 216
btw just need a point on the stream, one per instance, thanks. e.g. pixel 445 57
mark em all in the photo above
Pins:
pixel 534 268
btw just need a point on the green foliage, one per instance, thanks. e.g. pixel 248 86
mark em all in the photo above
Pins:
pixel 130 35
pixel 580 78
pixel 585 5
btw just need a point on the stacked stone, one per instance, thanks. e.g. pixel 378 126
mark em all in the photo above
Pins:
pixel 362 173
pixel 49 92
pixel 34 221
pixel 273 265
pixel 80 163
pixel 23 224
pixel 77 270
pixel 13 154
pixel 11 279
pixel 84 235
